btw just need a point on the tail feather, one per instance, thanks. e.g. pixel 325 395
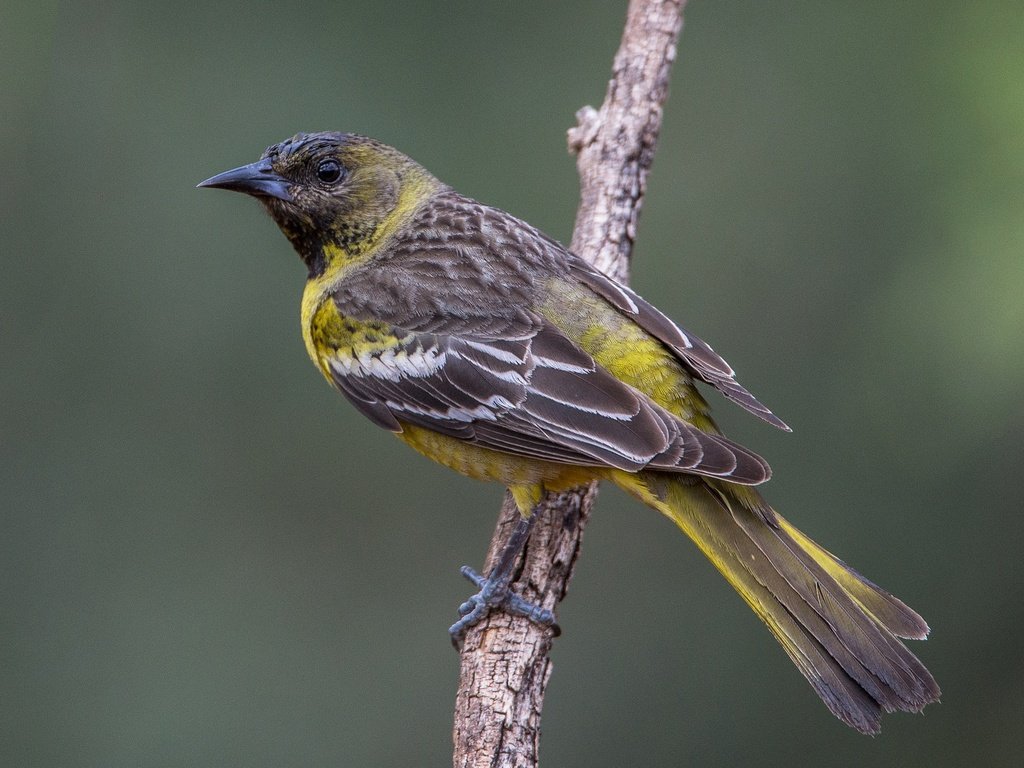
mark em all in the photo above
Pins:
pixel 872 645
pixel 838 628
pixel 885 608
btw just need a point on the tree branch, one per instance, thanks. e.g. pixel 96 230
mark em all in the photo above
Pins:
pixel 505 665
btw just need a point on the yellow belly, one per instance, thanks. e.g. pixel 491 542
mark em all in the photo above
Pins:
pixel 485 464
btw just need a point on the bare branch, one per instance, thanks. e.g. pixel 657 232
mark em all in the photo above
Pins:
pixel 505 666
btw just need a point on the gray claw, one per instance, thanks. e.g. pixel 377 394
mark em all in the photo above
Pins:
pixel 495 594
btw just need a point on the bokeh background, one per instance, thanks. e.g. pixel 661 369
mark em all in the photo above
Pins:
pixel 209 559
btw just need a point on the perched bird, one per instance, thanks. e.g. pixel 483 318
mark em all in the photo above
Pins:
pixel 492 349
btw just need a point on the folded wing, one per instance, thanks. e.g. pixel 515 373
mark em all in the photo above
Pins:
pixel 539 396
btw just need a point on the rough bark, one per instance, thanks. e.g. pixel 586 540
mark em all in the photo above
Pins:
pixel 505 665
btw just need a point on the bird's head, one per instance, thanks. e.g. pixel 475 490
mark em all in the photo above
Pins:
pixel 334 195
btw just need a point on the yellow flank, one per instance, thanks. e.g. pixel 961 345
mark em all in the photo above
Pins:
pixel 630 353
pixel 526 478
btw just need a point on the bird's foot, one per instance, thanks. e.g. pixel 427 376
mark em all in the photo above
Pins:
pixel 495 593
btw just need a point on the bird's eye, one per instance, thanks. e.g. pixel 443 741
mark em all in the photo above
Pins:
pixel 329 171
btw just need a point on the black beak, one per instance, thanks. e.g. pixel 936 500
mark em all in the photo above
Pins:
pixel 256 179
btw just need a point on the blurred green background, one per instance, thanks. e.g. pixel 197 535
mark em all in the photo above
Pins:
pixel 207 557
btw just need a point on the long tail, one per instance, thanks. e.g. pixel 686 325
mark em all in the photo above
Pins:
pixel 840 630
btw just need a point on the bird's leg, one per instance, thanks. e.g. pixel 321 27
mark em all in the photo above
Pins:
pixel 495 590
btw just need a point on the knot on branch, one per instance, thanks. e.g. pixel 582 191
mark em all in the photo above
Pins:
pixel 588 123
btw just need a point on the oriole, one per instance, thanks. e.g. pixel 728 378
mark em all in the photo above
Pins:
pixel 492 349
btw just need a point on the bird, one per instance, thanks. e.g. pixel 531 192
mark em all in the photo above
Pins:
pixel 494 350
